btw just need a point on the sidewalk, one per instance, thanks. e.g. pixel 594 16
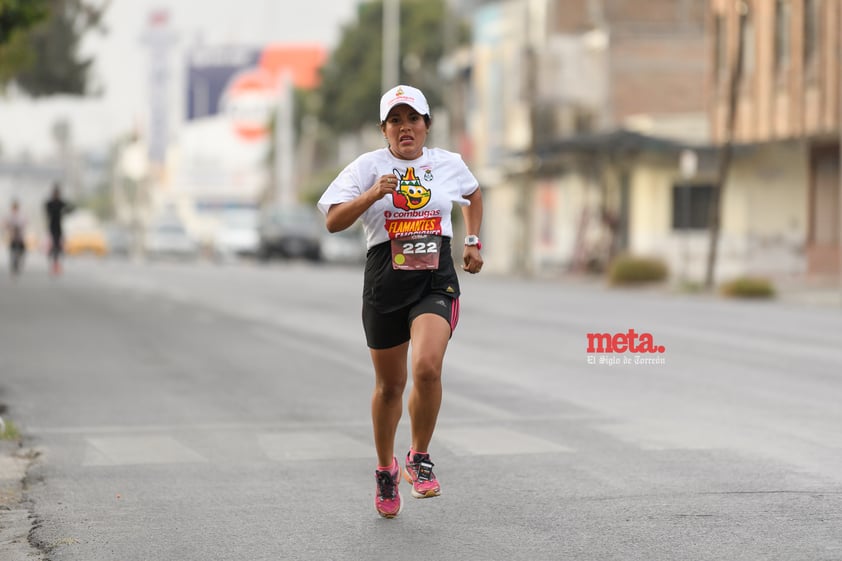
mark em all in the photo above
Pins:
pixel 818 292
pixel 826 293
pixel 15 521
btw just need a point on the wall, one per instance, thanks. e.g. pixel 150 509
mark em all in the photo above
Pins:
pixel 764 216
pixel 499 225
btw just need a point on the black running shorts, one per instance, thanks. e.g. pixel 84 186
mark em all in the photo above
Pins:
pixel 390 329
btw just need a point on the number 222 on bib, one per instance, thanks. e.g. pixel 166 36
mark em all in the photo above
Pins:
pixel 416 253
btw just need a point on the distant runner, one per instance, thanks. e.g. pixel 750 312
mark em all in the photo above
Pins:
pixel 56 208
pixel 15 226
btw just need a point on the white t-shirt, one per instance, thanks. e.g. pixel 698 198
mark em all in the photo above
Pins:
pixel 16 226
pixel 427 189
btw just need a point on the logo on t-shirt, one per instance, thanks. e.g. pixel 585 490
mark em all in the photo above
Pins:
pixel 410 194
pixel 412 220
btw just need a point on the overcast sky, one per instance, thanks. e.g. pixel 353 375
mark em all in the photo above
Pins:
pixel 121 61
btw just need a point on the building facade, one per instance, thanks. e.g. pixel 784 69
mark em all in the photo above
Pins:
pixel 548 70
pixel 586 114
pixel 788 93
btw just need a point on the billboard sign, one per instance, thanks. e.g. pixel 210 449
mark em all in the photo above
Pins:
pixel 232 94
pixel 209 70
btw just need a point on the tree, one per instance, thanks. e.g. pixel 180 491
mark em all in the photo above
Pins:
pixel 19 15
pixel 351 79
pixel 715 215
pixel 40 52
pixel 16 18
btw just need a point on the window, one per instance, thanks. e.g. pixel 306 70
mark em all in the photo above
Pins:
pixel 782 38
pixel 691 206
pixel 748 46
pixel 584 120
pixel 811 31
pixel 720 54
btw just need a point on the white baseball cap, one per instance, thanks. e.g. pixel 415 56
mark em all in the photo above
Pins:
pixel 406 95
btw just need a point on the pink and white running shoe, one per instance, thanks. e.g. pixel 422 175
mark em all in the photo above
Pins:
pixel 419 472
pixel 387 499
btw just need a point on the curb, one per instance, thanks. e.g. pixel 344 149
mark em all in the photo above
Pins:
pixel 15 519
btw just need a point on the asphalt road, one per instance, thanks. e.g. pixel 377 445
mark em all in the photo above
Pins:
pixel 193 412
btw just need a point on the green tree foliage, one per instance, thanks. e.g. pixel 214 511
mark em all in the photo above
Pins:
pixel 42 51
pixel 16 18
pixel 351 80
pixel 19 15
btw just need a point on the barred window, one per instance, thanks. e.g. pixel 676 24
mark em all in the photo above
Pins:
pixel 691 205
pixel 720 56
pixel 811 31
pixel 782 35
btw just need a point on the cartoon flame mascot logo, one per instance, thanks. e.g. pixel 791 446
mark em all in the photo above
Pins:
pixel 410 194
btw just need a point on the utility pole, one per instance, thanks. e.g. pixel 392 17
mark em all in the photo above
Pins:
pixel 526 202
pixel 839 167
pixel 284 164
pixel 535 37
pixel 715 216
pixel 390 72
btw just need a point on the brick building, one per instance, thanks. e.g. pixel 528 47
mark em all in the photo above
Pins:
pixel 657 53
pixel 789 93
pixel 567 79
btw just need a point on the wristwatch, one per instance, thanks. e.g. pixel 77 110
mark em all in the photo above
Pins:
pixel 473 240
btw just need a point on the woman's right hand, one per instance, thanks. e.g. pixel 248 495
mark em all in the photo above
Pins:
pixel 385 185
pixel 341 215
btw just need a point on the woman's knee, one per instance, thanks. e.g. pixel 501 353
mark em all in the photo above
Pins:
pixel 390 392
pixel 390 371
pixel 426 370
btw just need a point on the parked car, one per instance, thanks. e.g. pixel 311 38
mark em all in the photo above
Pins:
pixel 345 247
pixel 236 234
pixel 291 231
pixel 120 240
pixel 169 239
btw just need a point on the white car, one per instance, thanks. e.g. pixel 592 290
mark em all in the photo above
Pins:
pixel 236 234
pixel 345 247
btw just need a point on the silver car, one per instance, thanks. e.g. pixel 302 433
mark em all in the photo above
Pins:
pixel 236 234
pixel 345 247
pixel 170 239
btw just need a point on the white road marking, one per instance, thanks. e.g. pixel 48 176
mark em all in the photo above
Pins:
pixel 462 404
pixel 138 450
pixel 489 440
pixel 312 445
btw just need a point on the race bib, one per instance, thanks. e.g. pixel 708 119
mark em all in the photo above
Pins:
pixel 415 253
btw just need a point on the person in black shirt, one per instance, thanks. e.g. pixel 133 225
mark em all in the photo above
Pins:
pixel 56 208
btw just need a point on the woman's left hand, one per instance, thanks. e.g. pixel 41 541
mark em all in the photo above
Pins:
pixel 471 259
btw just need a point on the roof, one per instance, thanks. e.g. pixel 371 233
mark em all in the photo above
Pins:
pixel 617 143
pixel 619 140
